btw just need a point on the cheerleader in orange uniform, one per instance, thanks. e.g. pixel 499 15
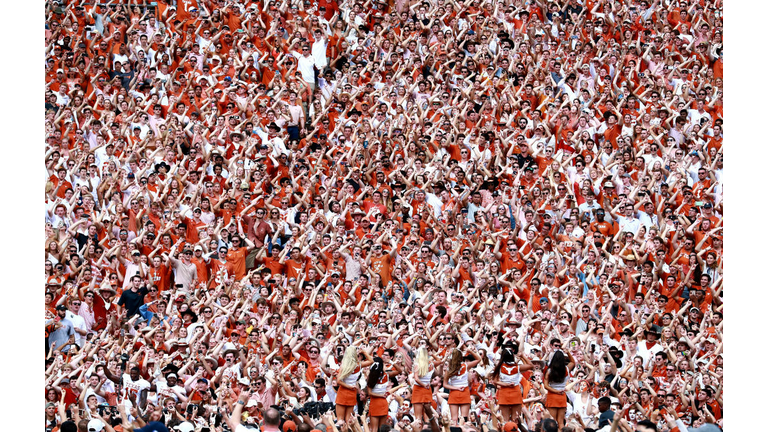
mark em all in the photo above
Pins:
pixel 506 376
pixel 555 380
pixel 378 381
pixel 421 396
pixel 349 374
pixel 457 381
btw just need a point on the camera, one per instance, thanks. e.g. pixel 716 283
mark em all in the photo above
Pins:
pixel 314 409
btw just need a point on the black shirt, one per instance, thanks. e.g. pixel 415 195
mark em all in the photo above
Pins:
pixel 522 160
pixel 132 300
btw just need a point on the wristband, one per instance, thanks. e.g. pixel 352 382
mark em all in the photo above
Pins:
pixel 241 402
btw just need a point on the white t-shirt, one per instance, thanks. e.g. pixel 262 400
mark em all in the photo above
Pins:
pixel 79 323
pixel 318 53
pixel 306 67
pixel 233 372
pixel 165 391
pixel 648 353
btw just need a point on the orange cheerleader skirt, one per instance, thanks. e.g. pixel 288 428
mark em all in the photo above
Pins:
pixel 510 395
pixel 556 400
pixel 459 397
pixel 378 407
pixel 346 397
pixel 421 395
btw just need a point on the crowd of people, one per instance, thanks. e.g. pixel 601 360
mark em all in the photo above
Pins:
pixel 348 215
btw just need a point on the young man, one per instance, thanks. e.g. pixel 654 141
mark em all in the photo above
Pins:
pixel 133 298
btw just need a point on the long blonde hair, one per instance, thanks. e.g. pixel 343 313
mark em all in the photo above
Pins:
pixel 422 362
pixel 349 362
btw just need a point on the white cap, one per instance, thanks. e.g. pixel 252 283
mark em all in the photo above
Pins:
pixel 95 425
pixel 184 427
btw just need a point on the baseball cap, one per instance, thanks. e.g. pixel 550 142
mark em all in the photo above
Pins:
pixel 96 425
pixel 510 427
pixel 289 426
pixel 184 427
pixel 61 307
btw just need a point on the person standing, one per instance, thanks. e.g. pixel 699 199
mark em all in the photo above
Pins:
pixel 64 333
pixel 306 66
pixel 457 381
pixel 506 376
pixel 555 380
pixel 378 380
pixel 133 298
pixel 347 378
pixel 185 269
pixel 423 369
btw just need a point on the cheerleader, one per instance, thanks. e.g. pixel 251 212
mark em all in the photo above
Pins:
pixel 555 380
pixel 378 381
pixel 457 381
pixel 506 376
pixel 421 396
pixel 347 378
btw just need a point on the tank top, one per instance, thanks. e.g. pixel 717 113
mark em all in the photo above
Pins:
pixel 509 374
pixel 561 385
pixel 351 379
pixel 461 379
pixel 380 389
pixel 426 379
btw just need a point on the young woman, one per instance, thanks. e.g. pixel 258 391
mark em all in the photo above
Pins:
pixel 422 376
pixel 378 381
pixel 457 381
pixel 349 374
pixel 555 380
pixel 506 376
